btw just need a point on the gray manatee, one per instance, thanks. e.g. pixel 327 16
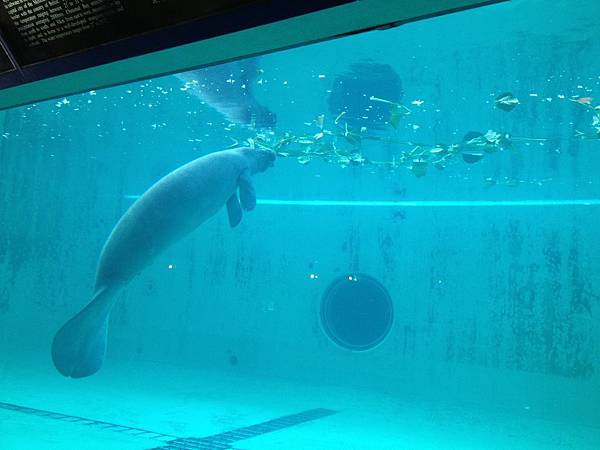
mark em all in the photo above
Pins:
pixel 172 208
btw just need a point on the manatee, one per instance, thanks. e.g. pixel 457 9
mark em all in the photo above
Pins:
pixel 228 88
pixel 172 208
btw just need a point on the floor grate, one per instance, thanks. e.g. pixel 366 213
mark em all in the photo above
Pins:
pixel 219 441
pixel 132 431
pixel 226 439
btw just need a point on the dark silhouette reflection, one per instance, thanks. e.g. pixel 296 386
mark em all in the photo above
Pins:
pixel 228 89
pixel 352 90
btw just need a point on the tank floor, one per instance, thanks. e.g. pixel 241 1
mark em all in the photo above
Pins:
pixel 174 402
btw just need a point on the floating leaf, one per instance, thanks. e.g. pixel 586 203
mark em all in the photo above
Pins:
pixel 585 100
pixel 438 151
pixel 475 142
pixel 395 116
pixel 357 159
pixel 506 101
pixel 419 167
pixel 417 151
pixel 497 141
pixel 285 141
pixel 473 138
pixel 472 157
pixel 344 161
pixel 318 136
pixel 439 165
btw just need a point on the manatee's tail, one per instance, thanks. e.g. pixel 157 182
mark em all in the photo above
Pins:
pixel 79 346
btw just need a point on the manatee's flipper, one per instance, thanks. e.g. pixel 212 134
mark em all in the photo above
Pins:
pixel 79 346
pixel 247 193
pixel 234 210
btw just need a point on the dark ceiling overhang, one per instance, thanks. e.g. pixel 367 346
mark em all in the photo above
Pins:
pixel 56 48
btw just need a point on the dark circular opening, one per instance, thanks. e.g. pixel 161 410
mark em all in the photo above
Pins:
pixel 357 312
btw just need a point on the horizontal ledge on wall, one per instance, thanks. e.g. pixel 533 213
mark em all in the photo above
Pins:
pixel 422 203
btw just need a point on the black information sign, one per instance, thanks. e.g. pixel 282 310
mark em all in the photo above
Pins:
pixel 38 30
pixel 51 37
pixel 5 64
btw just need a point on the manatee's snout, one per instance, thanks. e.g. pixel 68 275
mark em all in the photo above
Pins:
pixel 265 158
pixel 259 159
pixel 271 158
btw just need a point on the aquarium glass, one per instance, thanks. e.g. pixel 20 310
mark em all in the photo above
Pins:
pixel 385 241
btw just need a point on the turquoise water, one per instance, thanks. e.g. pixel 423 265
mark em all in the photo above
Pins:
pixel 396 162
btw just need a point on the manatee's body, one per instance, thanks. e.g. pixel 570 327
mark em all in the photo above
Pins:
pixel 170 209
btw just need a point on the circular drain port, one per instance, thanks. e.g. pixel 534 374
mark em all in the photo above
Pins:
pixel 357 312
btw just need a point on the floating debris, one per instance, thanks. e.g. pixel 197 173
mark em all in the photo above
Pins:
pixel 587 103
pixel 303 159
pixel 581 135
pixel 343 161
pixel 351 137
pixel 490 142
pixel 506 101
pixel 339 116
pixel 508 181
pixel 596 122
pixel 396 110
pixel 583 100
pixel 496 141
pixel 489 181
pixel 320 121
pixel 382 100
pixel 472 138
pixel 357 159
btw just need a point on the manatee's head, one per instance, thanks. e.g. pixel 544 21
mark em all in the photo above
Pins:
pixel 259 159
